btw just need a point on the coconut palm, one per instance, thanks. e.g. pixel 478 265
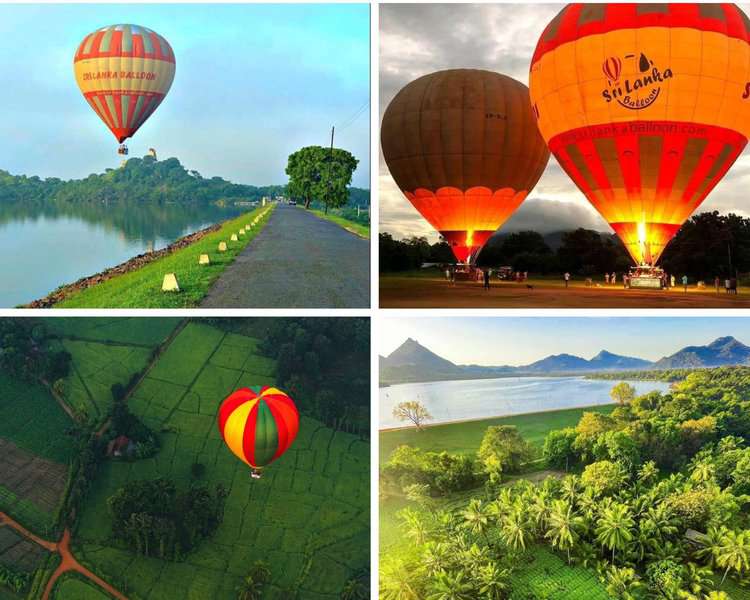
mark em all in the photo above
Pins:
pixel 414 524
pixel 734 552
pixel 249 589
pixel 493 581
pixel 703 473
pixel 710 545
pixel 624 584
pixel 563 526
pixel 450 586
pixel 514 528
pixel 355 590
pixel 570 488
pixel 648 473
pixel 399 581
pixel 539 510
pixel 436 556
pixel 474 557
pixel 697 580
pixel 477 518
pixel 614 527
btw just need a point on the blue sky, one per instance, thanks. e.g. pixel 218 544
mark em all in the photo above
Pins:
pixel 518 341
pixel 254 82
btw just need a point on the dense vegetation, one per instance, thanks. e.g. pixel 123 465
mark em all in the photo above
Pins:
pixel 23 354
pixel 655 501
pixel 141 180
pixel 154 518
pixel 707 245
pixel 670 375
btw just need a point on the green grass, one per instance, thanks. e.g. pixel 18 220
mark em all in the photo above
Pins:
pixel 32 420
pixel 71 586
pixel 360 229
pixel 464 438
pixel 308 516
pixel 96 368
pixel 142 288
pixel 126 330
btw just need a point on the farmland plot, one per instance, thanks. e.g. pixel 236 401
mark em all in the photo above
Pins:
pixel 308 517
pixel 146 331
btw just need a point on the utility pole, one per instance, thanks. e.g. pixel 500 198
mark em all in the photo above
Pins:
pixel 330 161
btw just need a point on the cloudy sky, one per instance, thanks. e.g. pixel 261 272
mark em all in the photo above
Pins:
pixel 253 84
pixel 496 341
pixel 416 39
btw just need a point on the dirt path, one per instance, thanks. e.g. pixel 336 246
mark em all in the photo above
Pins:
pixel 68 562
pixel 60 400
pixel 434 292
pixel 297 261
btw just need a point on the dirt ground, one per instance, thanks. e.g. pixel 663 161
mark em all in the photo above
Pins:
pixel 30 477
pixel 397 291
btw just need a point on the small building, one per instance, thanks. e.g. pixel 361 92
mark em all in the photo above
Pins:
pixel 121 446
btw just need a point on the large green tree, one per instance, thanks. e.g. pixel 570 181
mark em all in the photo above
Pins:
pixel 323 174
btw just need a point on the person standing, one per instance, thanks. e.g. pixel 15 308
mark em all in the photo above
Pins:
pixel 606 278
pixel 717 282
pixel 672 281
pixel 486 275
pixel 684 282
pixel 567 278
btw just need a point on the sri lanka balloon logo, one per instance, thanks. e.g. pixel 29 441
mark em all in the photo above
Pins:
pixel 622 91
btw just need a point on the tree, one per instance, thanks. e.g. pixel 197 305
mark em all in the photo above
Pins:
pixel 514 528
pixel 412 410
pixel 603 477
pixel 317 172
pixel 493 581
pixel 623 583
pixel 477 518
pixel 558 448
pixel 398 581
pixel 450 586
pixel 355 589
pixel 563 526
pixel 733 553
pixel 502 449
pixel 623 393
pixel 614 527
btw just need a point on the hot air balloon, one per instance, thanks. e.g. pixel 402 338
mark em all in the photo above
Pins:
pixel 462 146
pixel 124 72
pixel 258 425
pixel 645 106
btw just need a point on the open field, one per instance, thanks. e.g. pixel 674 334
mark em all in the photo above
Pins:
pixel 465 437
pixel 431 290
pixel 308 517
pixel 128 330
pixel 142 288
pixel 33 421
pixel 72 586
pixel 360 229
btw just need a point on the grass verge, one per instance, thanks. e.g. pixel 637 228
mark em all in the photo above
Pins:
pixel 351 226
pixel 142 288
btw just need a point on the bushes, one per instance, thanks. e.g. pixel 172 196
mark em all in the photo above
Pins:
pixel 443 473
pixel 15 580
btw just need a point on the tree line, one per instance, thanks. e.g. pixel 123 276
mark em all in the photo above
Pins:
pixel 653 498
pixel 707 245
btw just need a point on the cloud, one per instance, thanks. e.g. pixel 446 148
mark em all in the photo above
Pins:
pixel 416 39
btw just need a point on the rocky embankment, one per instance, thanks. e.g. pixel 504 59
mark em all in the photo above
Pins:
pixel 129 265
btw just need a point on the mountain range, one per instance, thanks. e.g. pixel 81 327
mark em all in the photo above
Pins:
pixel 411 362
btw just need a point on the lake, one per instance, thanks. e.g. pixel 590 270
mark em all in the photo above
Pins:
pixel 45 246
pixel 485 398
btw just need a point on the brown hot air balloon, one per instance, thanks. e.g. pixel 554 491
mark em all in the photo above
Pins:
pixel 463 147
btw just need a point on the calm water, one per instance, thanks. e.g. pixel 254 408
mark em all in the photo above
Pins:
pixel 43 247
pixel 485 398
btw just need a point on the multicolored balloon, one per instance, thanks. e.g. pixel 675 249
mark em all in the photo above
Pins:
pixel 258 424
pixel 646 107
pixel 124 72
pixel 463 147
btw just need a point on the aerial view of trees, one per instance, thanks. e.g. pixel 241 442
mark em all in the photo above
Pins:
pixel 24 356
pixel 652 498
pixel 154 518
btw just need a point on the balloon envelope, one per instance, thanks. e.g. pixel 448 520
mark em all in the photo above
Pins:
pixel 124 72
pixel 645 106
pixel 258 424
pixel 463 147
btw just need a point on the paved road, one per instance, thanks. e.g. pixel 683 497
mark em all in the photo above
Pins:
pixel 297 261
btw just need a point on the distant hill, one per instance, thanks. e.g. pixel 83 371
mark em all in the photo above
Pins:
pixel 411 362
pixel 142 180
pixel 721 352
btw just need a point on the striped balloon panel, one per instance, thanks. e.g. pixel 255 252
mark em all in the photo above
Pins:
pixel 258 424
pixel 642 105
pixel 124 72
pixel 466 219
pixel 463 147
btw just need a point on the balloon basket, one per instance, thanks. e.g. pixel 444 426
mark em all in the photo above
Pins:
pixel 646 277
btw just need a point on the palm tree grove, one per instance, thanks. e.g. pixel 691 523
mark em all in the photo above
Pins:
pixel 646 498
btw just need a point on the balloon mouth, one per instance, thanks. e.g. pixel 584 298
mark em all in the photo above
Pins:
pixel 645 241
pixel 466 245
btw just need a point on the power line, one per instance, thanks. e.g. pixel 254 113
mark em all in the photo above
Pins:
pixel 352 118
